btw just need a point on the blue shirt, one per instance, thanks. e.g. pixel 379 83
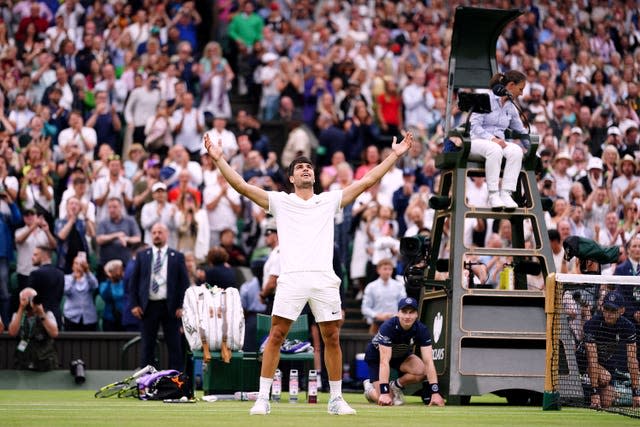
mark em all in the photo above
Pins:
pixel 78 305
pixel 501 117
pixel 114 299
pixel 610 340
pixel 250 296
pixel 381 297
pixel 401 342
pixel 6 236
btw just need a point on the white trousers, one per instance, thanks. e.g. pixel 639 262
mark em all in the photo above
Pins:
pixel 492 154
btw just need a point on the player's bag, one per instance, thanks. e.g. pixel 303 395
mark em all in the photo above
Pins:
pixel 167 384
pixel 195 307
pixel 224 321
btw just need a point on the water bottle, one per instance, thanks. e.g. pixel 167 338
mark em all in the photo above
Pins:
pixel 346 373
pixel 276 386
pixel 312 387
pixel 245 395
pixel 507 278
pixel 293 386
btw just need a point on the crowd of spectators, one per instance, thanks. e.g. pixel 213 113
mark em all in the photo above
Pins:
pixel 104 105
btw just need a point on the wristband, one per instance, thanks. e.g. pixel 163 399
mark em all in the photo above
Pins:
pixel 635 392
pixel 594 390
pixel 435 388
pixel 384 388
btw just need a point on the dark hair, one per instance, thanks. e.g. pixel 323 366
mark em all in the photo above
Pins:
pixel 217 255
pixel 45 249
pixel 553 235
pixel 514 76
pixel 300 159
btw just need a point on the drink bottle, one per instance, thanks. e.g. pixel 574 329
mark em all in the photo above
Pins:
pixel 312 387
pixel 276 386
pixel 293 386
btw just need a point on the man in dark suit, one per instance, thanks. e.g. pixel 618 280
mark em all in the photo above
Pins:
pixel 48 281
pixel 631 267
pixel 157 287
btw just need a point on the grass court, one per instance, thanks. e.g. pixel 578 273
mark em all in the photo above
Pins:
pixel 50 408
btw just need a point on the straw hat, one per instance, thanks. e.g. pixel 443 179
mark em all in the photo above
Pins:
pixel 563 155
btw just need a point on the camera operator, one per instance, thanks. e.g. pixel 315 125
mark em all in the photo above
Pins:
pixel 36 329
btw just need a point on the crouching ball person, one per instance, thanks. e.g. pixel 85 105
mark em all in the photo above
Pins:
pixel 610 340
pixel 392 348
pixel 305 234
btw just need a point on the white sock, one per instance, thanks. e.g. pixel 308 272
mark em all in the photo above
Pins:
pixel 335 388
pixel 265 387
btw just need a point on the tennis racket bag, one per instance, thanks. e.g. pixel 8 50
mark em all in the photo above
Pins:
pixel 225 321
pixel 167 384
pixel 215 313
pixel 195 308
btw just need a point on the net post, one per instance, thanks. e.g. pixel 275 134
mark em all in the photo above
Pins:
pixel 551 397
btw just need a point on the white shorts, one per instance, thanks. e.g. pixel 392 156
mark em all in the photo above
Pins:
pixel 320 289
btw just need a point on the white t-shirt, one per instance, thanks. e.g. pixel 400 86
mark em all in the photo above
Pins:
pixel 305 230
pixel 271 266
pixel 390 182
pixel 123 185
pixel 86 139
pixel 69 193
pixel 229 143
pixel 25 249
pixel 188 137
pixel 223 215
pixel 21 117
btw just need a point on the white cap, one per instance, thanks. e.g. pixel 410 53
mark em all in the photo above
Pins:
pixel 614 130
pixel 268 57
pixel 158 186
pixel 577 130
pixel 594 163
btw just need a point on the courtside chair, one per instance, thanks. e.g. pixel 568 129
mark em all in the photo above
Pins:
pixel 299 331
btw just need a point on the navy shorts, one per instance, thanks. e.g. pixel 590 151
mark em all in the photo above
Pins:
pixel 374 367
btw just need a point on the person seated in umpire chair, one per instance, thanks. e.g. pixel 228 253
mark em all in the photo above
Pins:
pixel 488 140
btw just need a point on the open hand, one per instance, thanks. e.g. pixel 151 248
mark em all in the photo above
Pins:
pixel 214 150
pixel 403 146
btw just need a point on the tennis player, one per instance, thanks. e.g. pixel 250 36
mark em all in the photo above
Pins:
pixel 305 230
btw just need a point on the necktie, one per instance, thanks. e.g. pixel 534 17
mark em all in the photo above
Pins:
pixel 157 266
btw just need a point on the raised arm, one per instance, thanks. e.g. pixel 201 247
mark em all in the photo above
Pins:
pixel 255 193
pixel 399 149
